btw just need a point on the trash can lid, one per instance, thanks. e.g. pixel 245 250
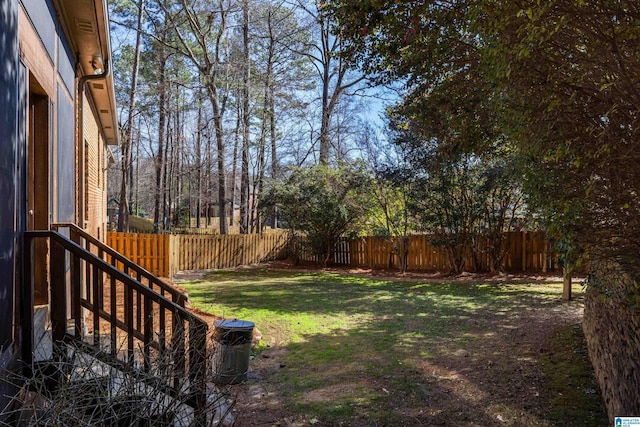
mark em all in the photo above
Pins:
pixel 234 324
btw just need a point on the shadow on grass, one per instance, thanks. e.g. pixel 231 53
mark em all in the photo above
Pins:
pixel 329 293
pixel 411 353
pixel 380 375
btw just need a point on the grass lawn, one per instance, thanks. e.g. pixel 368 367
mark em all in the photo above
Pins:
pixel 356 351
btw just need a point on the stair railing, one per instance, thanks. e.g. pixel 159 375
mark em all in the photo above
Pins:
pixel 119 261
pixel 97 305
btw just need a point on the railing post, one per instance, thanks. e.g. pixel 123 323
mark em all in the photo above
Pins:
pixel 128 320
pixel 58 291
pixel 113 308
pixel 76 294
pixel 27 306
pixel 198 369
pixel 148 332
pixel 97 301
pixel 178 337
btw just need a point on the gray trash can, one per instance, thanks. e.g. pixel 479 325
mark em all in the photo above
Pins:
pixel 233 350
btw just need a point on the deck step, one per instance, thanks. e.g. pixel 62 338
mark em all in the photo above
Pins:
pixel 42 333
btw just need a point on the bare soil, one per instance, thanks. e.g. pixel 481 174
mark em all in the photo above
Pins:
pixel 498 381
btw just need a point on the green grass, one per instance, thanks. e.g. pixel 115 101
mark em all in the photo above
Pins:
pixel 574 395
pixel 357 347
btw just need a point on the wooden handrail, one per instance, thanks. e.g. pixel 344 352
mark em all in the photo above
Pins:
pixel 69 260
pixel 78 250
pixel 177 296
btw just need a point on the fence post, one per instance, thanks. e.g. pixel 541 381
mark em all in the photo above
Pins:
pixel 173 250
pixel 524 251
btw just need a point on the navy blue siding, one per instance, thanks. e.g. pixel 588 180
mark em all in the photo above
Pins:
pixel 8 143
pixel 65 159
pixel 43 18
pixel 66 64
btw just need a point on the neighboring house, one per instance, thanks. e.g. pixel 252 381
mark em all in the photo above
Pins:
pixel 57 119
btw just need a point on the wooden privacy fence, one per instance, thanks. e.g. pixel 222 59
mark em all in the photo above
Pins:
pixel 166 254
pixel 150 251
pixel 197 252
pixel 526 251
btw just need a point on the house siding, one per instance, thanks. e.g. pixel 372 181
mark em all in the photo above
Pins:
pixel 66 158
pixel 95 175
pixel 38 67
pixel 9 75
pixel 8 143
pixel 42 15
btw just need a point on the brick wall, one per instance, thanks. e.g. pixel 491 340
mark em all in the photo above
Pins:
pixel 95 190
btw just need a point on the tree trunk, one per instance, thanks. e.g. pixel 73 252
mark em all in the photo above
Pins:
pixel 166 196
pixel 566 283
pixel 246 71
pixel 222 181
pixel 209 64
pixel 234 168
pixel 266 123
pixel 125 189
pixel 136 200
pixel 198 164
pixel 403 252
pixel 158 206
pixel 123 210
pixel 272 118
pixel 326 115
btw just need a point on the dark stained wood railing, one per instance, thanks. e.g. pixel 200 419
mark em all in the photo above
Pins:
pixel 136 325
pixel 119 261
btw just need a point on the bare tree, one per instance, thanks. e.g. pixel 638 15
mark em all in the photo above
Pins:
pixel 323 50
pixel 259 59
pixel 200 28
pixel 198 161
pixel 246 75
pixel 283 74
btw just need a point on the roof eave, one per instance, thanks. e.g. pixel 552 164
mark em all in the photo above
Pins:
pixel 86 24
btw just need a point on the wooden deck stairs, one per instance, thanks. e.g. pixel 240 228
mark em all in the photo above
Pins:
pixel 115 344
